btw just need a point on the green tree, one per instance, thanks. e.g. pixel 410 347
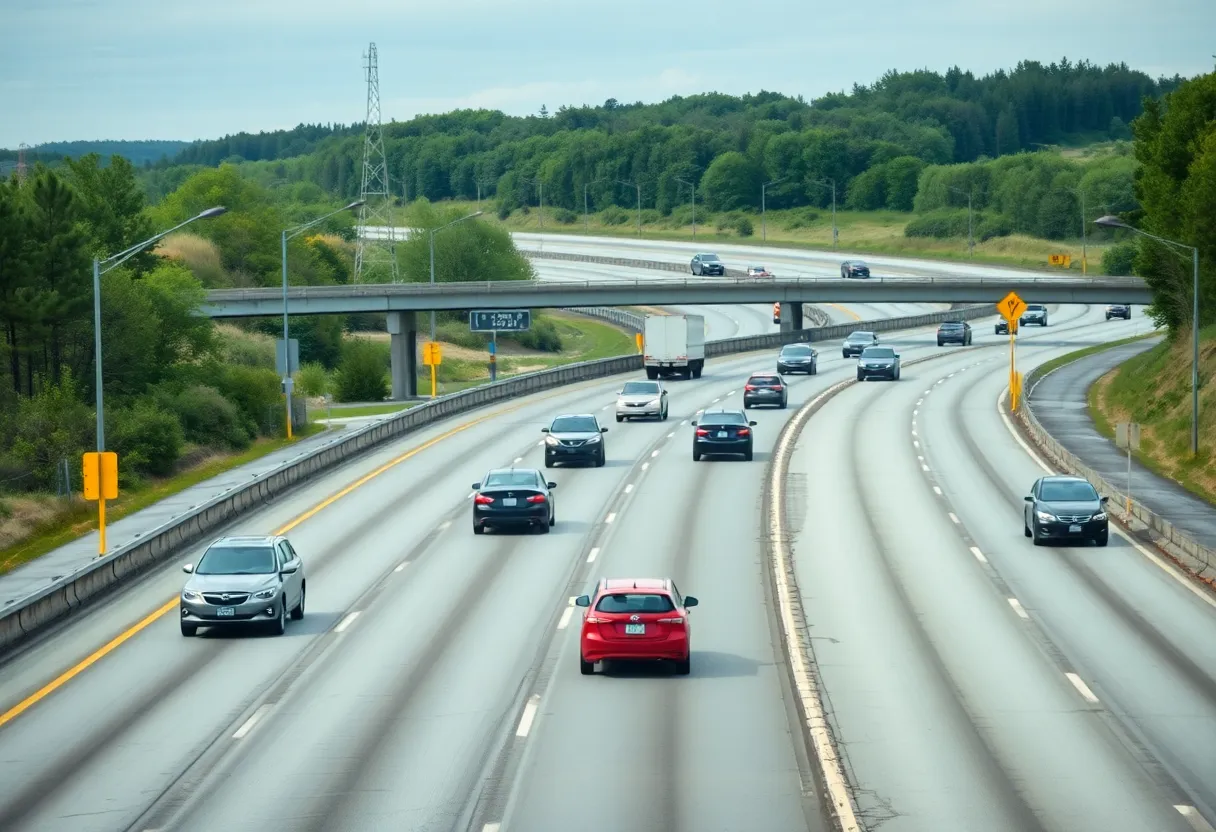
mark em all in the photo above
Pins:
pixel 470 250
pixel 361 373
pixel 52 425
pixel 1176 146
pixel 731 182
pixel 112 206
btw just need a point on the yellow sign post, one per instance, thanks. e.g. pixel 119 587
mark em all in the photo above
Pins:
pixel 1064 261
pixel 101 484
pixel 1011 308
pixel 432 356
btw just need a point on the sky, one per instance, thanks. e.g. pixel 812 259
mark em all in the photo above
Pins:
pixel 168 69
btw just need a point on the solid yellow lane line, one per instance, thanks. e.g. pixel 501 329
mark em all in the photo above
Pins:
pixel 112 645
pixel 846 311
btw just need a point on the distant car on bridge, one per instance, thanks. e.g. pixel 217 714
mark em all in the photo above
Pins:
pixel 758 271
pixel 854 268
pixel 703 264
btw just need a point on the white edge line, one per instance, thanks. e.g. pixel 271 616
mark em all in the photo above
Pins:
pixel 1156 559
pixel 804 682
pixel 1018 608
pixel 592 554
pixel 566 614
pixel 1082 688
pixel 525 721
pixel 1196 820
pixel 247 726
pixel 978 554
pixel 346 622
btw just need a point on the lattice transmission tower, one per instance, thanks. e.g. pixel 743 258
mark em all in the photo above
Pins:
pixel 375 257
pixel 21 169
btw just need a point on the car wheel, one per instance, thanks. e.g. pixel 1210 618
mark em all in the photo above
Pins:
pixel 696 456
pixel 1103 539
pixel 298 612
pixel 815 369
pixel 784 402
pixel 747 455
pixel 188 630
pixel 1034 533
pixel 747 405
pixel 620 418
pixel 860 377
pixel 939 342
pixel 553 517
pixel 684 666
pixel 584 667
pixel 543 528
pixel 663 417
pixel 599 461
pixel 477 529
pixel 548 461
pixel 280 624
pixel 1026 529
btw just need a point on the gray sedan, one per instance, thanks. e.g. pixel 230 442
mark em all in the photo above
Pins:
pixel 243 582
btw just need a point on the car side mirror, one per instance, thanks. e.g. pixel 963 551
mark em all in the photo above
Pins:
pixel 693 423
pixel 476 486
pixel 753 424
pixel 582 601
pixel 1029 498
pixel 544 430
pixel 290 569
pixel 188 568
pixel 550 485
pixel 690 601
pixel 620 392
pixel 1104 500
pixel 603 430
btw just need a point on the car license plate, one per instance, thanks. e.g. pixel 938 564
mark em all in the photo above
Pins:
pixel 721 434
pixel 225 611
pixel 635 629
pixel 509 501
pixel 1073 529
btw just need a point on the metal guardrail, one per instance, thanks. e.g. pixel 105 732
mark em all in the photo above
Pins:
pixel 1200 559
pixel 70 592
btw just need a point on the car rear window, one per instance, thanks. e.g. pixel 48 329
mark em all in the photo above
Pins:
pixel 520 478
pixel 574 424
pixel 627 602
pixel 727 418
pixel 764 380
pixel 1063 492
pixel 798 349
pixel 952 325
pixel 237 560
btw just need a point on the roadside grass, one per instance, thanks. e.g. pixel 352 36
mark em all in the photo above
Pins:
pixel 1154 389
pixel 32 525
pixel 863 232
pixel 359 411
pixel 1055 363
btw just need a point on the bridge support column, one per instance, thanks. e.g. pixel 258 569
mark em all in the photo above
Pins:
pixel 403 354
pixel 791 317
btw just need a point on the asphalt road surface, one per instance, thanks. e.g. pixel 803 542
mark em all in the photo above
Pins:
pixel 433 685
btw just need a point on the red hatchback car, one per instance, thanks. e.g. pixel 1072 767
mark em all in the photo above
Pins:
pixel 635 620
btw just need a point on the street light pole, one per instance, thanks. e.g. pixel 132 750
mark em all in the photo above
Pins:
pixel 1111 221
pixel 763 217
pixel 286 235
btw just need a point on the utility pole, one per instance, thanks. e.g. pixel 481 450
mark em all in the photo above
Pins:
pixel 374 191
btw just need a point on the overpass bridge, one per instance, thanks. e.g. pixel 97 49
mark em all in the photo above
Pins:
pixel 402 301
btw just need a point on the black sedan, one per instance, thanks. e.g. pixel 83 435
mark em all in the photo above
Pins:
pixel 1065 508
pixel 878 362
pixel 857 342
pixel 798 358
pixel 954 332
pixel 1002 327
pixel 514 497
pixel 765 388
pixel 575 439
pixel 722 432
pixel 854 268
pixel 1119 310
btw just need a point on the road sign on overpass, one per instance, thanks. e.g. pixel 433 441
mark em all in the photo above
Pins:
pixel 542 294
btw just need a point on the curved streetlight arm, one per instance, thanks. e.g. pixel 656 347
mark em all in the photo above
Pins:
pixel 435 231
pixel 300 229
pixel 116 260
pixel 1114 222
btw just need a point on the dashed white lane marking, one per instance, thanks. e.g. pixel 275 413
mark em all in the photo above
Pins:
pixel 673 433
pixel 645 465
pixel 491 827
pixel 1082 688
pixel 610 517
pixel 628 488
pixel 937 491
pixel 915 413
pixel 653 454
pixel 1152 556
pixel 953 518
pixel 924 467
pixel 518 459
pixel 685 422
pixel 930 390
pixel 916 443
pixel 978 555
pixel 541 442
pixel 252 721
pixel 402 566
pixel 949 376
pixel 715 401
pixel 919 402
pixel 605 407
pixel 1196 820
pixel 592 555
pixel 346 622
pixel 920 458
pixel 566 613
pixel 471 495
pixel 1017 607
pixel 525 721
pixel 445 525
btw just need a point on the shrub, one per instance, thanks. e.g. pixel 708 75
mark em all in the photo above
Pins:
pixel 744 228
pixel 939 224
pixel 248 349
pixel 650 216
pixel 542 336
pixel 148 439
pixel 504 210
pixel 565 216
pixel 361 375
pixel 257 394
pixel 802 218
pixel 997 225
pixel 683 214
pixel 1119 259
pixel 312 380
pixel 208 418
pixel 614 215
pixel 52 425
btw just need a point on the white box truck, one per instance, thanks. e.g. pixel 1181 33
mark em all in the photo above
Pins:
pixel 674 345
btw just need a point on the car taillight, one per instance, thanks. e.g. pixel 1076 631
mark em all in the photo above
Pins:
pixel 671 620
pixel 591 619
pixel 744 432
pixel 483 500
pixel 536 498
pixel 702 432
pixel 749 387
